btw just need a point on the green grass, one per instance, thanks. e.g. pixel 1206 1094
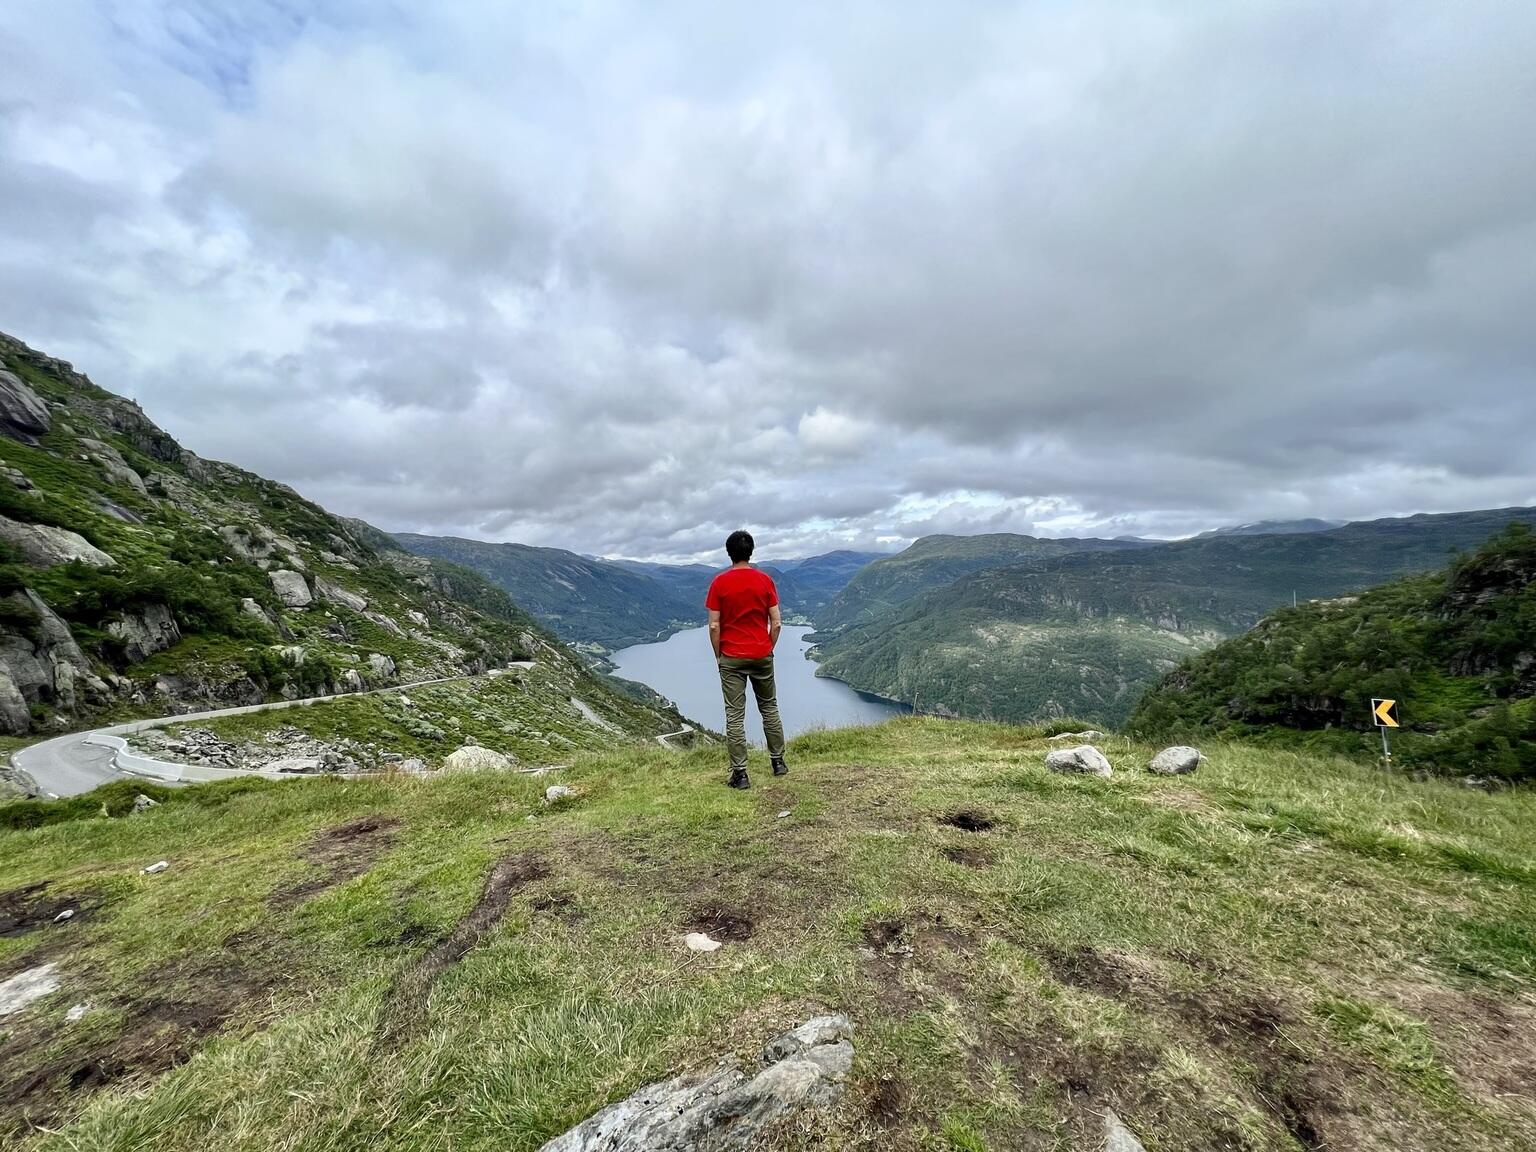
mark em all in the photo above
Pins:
pixel 1280 945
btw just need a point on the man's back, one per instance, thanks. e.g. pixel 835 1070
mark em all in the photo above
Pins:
pixel 743 597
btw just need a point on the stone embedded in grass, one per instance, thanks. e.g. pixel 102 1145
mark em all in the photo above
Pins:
pixel 1080 737
pixel 143 803
pixel 291 588
pixel 159 866
pixel 701 942
pixel 475 758
pixel 557 792
pixel 67 914
pixel 1117 1137
pixel 1176 761
pixel 76 1014
pixel 1084 759
pixel 720 1108
pixel 25 987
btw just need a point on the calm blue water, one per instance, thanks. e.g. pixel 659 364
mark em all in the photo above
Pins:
pixel 682 668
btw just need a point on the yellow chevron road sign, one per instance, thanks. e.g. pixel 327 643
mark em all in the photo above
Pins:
pixel 1385 713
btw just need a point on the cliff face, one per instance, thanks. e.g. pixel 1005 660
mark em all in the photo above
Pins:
pixel 138 578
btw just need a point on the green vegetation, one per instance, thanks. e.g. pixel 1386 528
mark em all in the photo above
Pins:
pixel 1282 951
pixel 1457 649
pixel 188 612
pixel 1086 633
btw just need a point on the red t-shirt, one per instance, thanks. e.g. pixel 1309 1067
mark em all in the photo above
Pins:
pixel 743 596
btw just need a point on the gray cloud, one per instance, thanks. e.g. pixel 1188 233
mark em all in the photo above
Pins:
pixel 621 284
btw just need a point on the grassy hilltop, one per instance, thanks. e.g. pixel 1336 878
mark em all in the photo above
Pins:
pixel 1281 952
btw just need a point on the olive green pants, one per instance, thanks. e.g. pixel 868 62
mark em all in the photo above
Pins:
pixel 734 674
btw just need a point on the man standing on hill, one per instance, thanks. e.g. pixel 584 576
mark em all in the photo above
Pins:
pixel 743 629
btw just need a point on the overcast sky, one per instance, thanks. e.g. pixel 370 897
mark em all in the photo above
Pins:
pixel 622 277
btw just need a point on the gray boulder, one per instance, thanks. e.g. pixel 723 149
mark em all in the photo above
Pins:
pixel 336 594
pixel 382 667
pixel 352 681
pixel 152 629
pixel 291 588
pixel 719 1109
pixel 15 716
pixel 44 546
pixel 143 803
pixel 1084 759
pixel 473 758
pixel 1175 761
pixel 23 414
pixel 41 664
pixel 1117 1137
pixel 113 464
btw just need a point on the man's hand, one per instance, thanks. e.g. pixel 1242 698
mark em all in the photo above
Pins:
pixel 714 632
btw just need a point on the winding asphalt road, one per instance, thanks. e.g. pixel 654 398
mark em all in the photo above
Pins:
pixel 68 766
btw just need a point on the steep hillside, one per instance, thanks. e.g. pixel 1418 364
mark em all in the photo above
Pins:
pixel 809 584
pixel 1085 634
pixel 583 600
pixel 1274 528
pixel 1279 952
pixel 888 582
pixel 1457 649
pixel 139 579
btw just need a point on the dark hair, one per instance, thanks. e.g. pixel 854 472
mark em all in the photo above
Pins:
pixel 739 545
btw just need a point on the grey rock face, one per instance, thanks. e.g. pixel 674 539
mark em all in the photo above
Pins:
pixel 336 594
pixel 352 681
pixel 291 588
pixel 41 665
pixel 23 414
pixel 382 667
pixel 721 1108
pixel 1117 1137
pixel 150 630
pixel 1176 761
pixel 1084 759
pixel 113 464
pixel 44 546
pixel 25 987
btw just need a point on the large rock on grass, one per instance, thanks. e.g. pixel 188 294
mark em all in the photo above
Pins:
pixel 1085 760
pixel 291 588
pixel 473 758
pixel 721 1108
pixel 336 594
pixel 23 414
pixel 1176 761
pixel 44 546
pixel 149 630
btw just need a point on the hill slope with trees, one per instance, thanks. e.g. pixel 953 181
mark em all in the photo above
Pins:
pixel 1456 649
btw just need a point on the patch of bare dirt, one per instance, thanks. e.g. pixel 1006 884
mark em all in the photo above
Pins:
pixel 724 923
pixel 27 909
pixel 969 820
pixel 1489 1042
pixel 971 855
pixel 159 1032
pixel 402 1008
pixel 888 1102
pixel 342 853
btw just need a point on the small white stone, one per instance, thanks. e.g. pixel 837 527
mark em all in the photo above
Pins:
pixel 783 815
pixel 76 1013
pixel 25 987
pixel 557 792
pixel 67 914
pixel 699 942
pixel 160 866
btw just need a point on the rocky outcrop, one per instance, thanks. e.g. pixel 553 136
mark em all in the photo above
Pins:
pixel 336 594
pixel 291 588
pixel 1176 761
pixel 382 668
pixel 113 464
pixel 41 664
pixel 721 1108
pixel 143 633
pixel 1085 760
pixel 23 415
pixel 473 758
pixel 44 546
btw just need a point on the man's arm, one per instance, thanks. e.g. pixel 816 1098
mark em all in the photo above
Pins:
pixel 714 630
pixel 775 624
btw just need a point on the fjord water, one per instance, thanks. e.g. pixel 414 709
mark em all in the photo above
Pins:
pixel 682 669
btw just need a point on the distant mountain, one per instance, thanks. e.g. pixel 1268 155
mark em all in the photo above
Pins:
pixel 888 582
pixel 615 603
pixel 1274 528
pixel 603 602
pixel 1085 633
pixel 1456 649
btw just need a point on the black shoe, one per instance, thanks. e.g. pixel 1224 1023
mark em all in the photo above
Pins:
pixel 779 767
pixel 738 779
